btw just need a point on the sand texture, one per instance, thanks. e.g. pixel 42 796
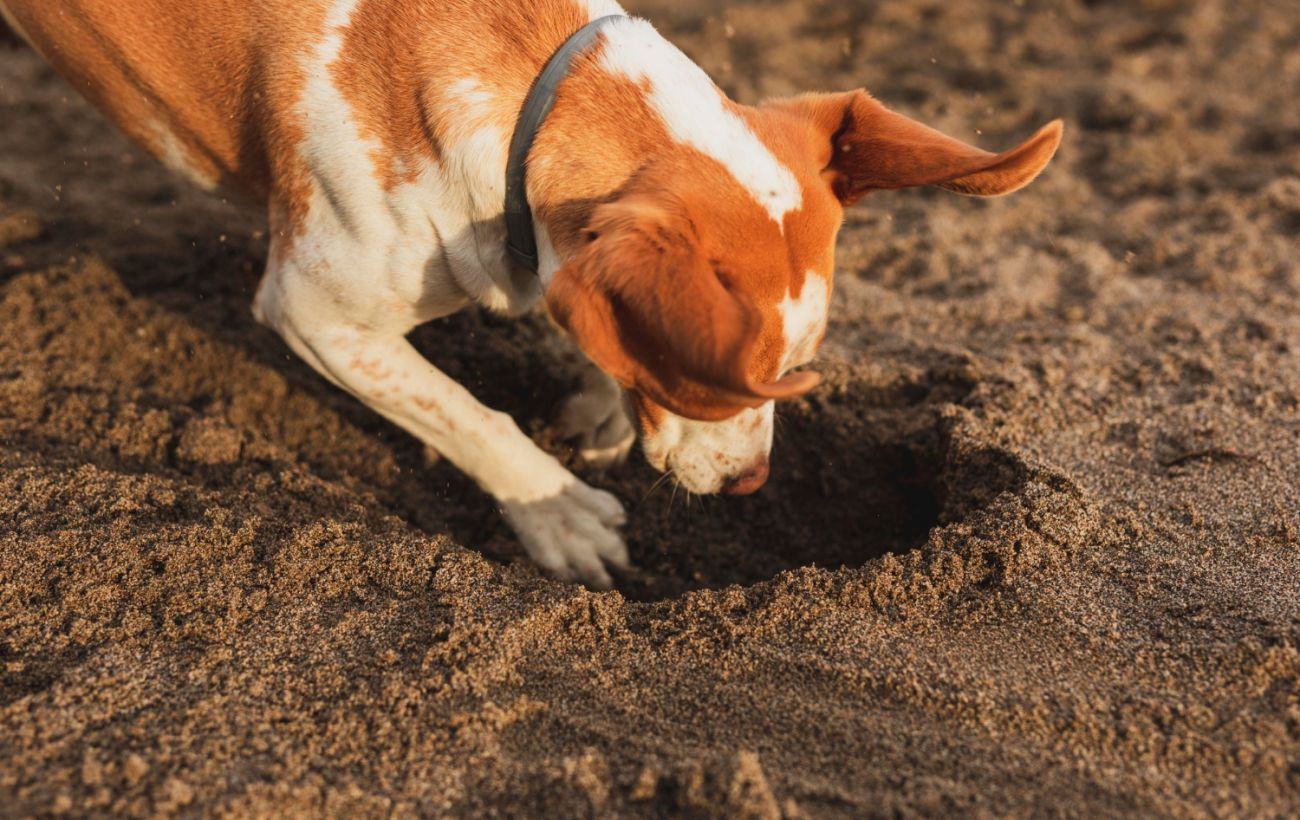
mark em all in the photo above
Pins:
pixel 1032 548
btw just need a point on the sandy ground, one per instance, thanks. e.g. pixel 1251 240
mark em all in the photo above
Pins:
pixel 1033 548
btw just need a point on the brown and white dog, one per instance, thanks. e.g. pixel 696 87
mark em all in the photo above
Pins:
pixel 686 241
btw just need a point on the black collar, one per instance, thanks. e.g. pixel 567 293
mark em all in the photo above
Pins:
pixel 521 241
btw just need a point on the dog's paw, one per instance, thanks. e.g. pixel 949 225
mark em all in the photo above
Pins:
pixel 596 421
pixel 573 535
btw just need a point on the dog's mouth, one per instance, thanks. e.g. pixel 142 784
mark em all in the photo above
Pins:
pixel 692 482
pixel 663 462
pixel 707 474
pixel 705 458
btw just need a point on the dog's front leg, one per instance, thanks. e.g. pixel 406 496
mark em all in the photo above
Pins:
pixel 594 417
pixel 567 527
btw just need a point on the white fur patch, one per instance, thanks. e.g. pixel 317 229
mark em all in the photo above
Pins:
pixel 601 8
pixel 472 175
pixel 173 154
pixel 455 204
pixel 692 109
pixel 804 319
pixel 333 146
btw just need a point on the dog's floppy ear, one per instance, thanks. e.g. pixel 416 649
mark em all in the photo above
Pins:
pixel 646 305
pixel 874 148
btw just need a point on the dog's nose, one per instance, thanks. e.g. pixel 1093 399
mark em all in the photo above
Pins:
pixel 749 481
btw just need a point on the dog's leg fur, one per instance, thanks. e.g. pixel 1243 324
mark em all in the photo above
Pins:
pixel 567 527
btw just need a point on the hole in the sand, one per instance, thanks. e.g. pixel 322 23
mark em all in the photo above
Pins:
pixel 832 501
pixel 857 473
pixel 853 479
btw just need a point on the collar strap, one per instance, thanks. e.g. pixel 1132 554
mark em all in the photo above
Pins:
pixel 521 240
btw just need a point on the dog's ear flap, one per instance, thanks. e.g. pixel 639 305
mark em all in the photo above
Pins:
pixel 874 148
pixel 645 305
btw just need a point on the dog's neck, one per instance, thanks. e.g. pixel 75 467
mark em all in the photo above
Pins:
pixel 628 100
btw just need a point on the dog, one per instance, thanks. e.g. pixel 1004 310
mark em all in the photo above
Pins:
pixel 685 242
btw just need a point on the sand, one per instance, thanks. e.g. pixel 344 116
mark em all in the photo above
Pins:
pixel 1033 547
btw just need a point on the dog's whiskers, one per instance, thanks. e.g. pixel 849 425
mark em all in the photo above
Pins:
pixel 658 482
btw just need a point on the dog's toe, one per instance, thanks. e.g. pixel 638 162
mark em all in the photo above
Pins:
pixel 606 507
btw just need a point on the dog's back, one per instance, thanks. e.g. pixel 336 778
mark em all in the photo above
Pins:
pixel 217 89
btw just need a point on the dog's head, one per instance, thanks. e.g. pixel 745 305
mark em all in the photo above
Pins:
pixel 703 287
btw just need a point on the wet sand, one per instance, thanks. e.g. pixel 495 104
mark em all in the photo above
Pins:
pixel 1032 548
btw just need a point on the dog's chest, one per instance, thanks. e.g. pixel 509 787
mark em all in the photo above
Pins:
pixel 407 173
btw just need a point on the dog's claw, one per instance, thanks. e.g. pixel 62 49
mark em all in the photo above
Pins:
pixel 573 535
